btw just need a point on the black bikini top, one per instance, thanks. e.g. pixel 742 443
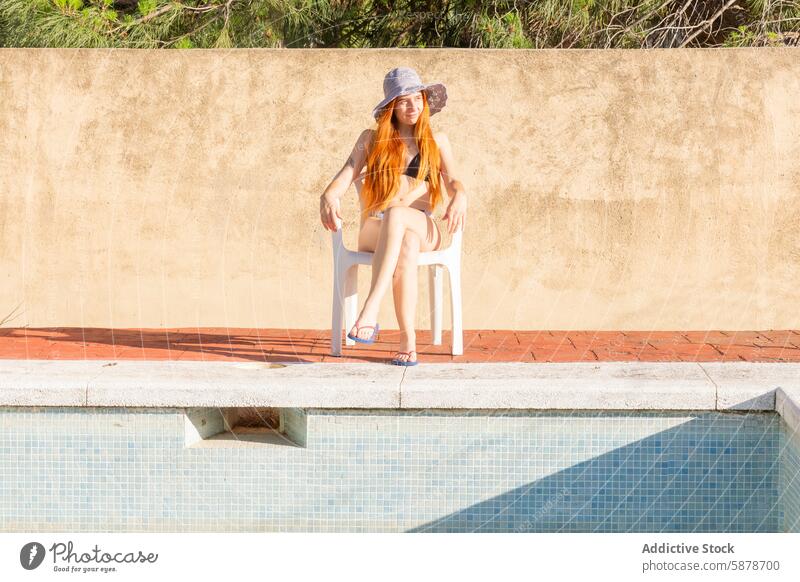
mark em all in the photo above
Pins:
pixel 413 168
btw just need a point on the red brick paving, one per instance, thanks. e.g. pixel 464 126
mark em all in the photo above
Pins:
pixel 299 345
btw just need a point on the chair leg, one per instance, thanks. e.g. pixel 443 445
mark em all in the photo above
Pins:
pixel 351 301
pixel 435 278
pixel 455 309
pixel 338 311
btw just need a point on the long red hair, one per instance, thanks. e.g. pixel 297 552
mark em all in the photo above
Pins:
pixel 387 154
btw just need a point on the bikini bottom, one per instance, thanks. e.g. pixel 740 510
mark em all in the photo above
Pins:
pixel 379 215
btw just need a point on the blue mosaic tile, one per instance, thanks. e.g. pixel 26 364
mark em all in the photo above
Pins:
pixel 789 468
pixel 118 469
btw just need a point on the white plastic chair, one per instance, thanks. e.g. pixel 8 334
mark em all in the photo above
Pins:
pixel 345 289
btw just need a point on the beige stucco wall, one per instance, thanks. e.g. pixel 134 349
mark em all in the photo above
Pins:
pixel 608 189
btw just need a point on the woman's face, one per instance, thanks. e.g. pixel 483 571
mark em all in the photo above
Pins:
pixel 408 108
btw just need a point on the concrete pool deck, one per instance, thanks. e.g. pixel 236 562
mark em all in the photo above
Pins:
pixel 715 370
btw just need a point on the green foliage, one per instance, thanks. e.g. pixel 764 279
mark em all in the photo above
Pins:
pixel 224 39
pixel 146 6
pixel 742 36
pixel 183 43
pixel 387 23
pixel 516 34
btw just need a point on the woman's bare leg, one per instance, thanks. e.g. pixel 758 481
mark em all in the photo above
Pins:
pixel 404 287
pixel 396 221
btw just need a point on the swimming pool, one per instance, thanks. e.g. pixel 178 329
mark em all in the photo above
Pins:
pixel 388 470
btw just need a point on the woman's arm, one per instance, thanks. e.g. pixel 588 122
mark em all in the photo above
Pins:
pixel 456 214
pixel 329 201
pixel 351 169
pixel 448 167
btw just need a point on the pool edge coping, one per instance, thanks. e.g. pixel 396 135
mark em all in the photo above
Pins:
pixel 729 386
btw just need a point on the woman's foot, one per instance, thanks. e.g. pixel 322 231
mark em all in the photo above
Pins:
pixel 364 326
pixel 408 343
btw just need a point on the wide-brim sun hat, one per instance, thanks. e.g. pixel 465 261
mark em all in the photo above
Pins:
pixel 404 80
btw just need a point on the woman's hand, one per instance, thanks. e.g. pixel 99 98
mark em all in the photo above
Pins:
pixel 329 211
pixel 456 215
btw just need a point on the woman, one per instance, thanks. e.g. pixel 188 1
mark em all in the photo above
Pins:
pixel 399 189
